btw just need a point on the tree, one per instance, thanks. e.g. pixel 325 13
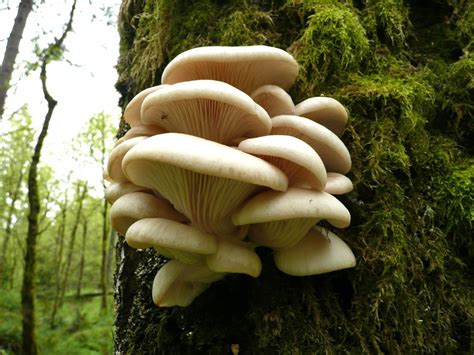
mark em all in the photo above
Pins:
pixel 11 50
pixel 51 53
pixel 99 137
pixel 390 63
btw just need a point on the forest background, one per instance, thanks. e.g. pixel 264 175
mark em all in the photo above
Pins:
pixel 404 70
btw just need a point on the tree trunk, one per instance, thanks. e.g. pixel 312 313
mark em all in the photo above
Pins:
pixel 28 296
pixel 8 227
pixel 83 257
pixel 80 195
pixel 11 50
pixel 110 254
pixel 103 264
pixel 391 64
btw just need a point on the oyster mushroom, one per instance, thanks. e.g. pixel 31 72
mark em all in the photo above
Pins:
pixel 178 284
pixel 300 163
pixel 338 184
pixel 281 219
pixel 206 108
pixel 171 239
pixel 140 131
pixel 118 189
pixel 320 251
pixel 246 68
pixel 114 164
pixel 234 257
pixel 204 180
pixel 333 152
pixel 324 110
pixel 131 114
pixel 138 205
pixel 274 100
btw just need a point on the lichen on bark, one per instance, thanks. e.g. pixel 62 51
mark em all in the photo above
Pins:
pixel 405 74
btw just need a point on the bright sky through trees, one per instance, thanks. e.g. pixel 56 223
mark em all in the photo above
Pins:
pixel 82 83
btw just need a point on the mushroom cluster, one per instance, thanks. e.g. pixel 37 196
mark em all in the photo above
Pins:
pixel 219 161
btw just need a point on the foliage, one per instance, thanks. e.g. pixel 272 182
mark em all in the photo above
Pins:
pixel 404 71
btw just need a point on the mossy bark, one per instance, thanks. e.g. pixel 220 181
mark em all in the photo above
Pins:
pixel 405 74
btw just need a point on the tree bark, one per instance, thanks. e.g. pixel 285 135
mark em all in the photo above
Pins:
pixel 11 50
pixel 408 293
pixel 28 295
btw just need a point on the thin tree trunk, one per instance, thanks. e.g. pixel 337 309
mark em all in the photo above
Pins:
pixel 59 258
pixel 110 254
pixel 103 276
pixel 28 297
pixel 8 227
pixel 83 255
pixel 72 242
pixel 11 51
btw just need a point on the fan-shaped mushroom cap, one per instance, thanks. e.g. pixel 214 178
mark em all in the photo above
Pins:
pixel 234 257
pixel 294 157
pixel 206 108
pixel 138 205
pixel 140 131
pixel 246 68
pixel 326 111
pixel 274 100
pixel 114 165
pixel 320 251
pixel 131 115
pixel 171 239
pixel 338 184
pixel 333 152
pixel 178 284
pixel 118 189
pixel 204 180
pixel 281 219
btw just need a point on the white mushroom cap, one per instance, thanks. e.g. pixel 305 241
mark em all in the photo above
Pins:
pixel 281 219
pixel 140 131
pixel 326 111
pixel 171 239
pixel 206 108
pixel 204 180
pixel 178 284
pixel 131 115
pixel 333 152
pixel 338 184
pixel 138 205
pixel 320 251
pixel 294 157
pixel 118 189
pixel 234 257
pixel 114 164
pixel 246 68
pixel 274 100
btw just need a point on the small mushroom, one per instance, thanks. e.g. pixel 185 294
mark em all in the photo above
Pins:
pixel 178 284
pixel 274 100
pixel 138 205
pixel 338 184
pixel 114 165
pixel 206 108
pixel 246 68
pixel 233 256
pixel 281 219
pixel 131 114
pixel 171 239
pixel 118 189
pixel 333 152
pixel 326 111
pixel 300 163
pixel 320 251
pixel 204 180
